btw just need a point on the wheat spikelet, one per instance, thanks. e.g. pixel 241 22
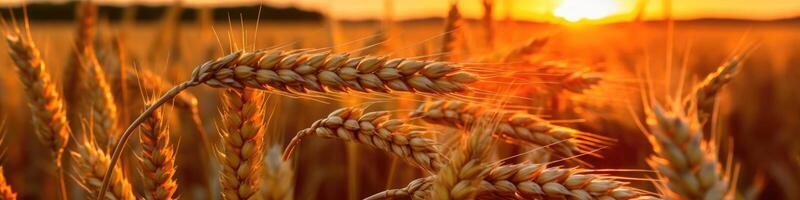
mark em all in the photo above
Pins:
pixel 575 79
pixel 532 181
pixel 706 92
pixel 277 177
pixel 6 193
pixel 299 71
pixel 452 34
pixel 375 129
pixel 688 163
pixel 103 113
pixel 90 164
pixel 512 126
pixel 47 106
pixel 461 178
pixel 241 154
pixel 157 159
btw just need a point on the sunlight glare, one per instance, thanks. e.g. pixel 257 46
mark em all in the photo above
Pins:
pixel 576 10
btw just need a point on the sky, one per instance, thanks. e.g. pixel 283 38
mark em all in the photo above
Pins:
pixel 539 10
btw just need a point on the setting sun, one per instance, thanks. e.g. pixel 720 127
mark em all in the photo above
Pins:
pixel 576 10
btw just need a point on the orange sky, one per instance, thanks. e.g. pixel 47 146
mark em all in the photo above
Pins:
pixel 521 9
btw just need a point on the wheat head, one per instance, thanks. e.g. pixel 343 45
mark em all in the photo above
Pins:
pixel 277 177
pixel 157 159
pixel 688 163
pixel 706 92
pixel 91 163
pixel 376 130
pixel 533 181
pixel 514 127
pixel 461 178
pixel 103 114
pixel 241 153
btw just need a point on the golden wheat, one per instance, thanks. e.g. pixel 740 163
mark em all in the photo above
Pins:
pixel 514 127
pixel 75 72
pixel 687 162
pixel 157 159
pixel 277 177
pixel 452 33
pixel 532 181
pixel 104 114
pixel 241 153
pixel 461 178
pixel 6 193
pixel 375 129
pixel 91 163
pixel 706 92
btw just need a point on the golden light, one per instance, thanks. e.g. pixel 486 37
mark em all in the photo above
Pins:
pixel 577 10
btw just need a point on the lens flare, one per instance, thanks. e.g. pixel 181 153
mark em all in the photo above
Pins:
pixel 577 10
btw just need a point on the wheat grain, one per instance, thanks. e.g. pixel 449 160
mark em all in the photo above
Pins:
pixel 6 193
pixel 47 106
pixel 375 129
pixel 461 178
pixel 241 154
pixel 532 181
pixel 157 159
pixel 90 163
pixel 452 33
pixel 514 127
pixel 298 71
pixel 277 176
pixel 103 113
pixel 688 163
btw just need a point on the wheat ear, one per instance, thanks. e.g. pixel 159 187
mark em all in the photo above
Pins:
pixel 47 106
pixel 241 154
pixel 90 165
pixel 452 28
pixel 522 52
pixel 103 108
pixel 706 92
pixel 299 71
pixel 514 127
pixel 488 22
pixel 533 181
pixel 75 73
pixel 6 193
pixel 157 159
pixel 688 163
pixel 461 178
pixel 576 79
pixel 376 130
pixel 277 176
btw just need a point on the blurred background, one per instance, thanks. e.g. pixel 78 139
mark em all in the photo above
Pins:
pixel 759 112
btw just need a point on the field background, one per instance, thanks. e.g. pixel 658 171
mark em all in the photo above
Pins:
pixel 760 109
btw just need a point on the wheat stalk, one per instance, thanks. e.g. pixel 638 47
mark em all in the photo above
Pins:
pixel 452 32
pixel 277 177
pixel 103 108
pixel 157 159
pixel 90 165
pixel 512 126
pixel 241 154
pixel 299 71
pixel 532 181
pixel 461 178
pixel 688 163
pixel 6 193
pixel 47 106
pixel 376 130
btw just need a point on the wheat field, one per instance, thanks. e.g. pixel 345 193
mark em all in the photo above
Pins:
pixel 198 107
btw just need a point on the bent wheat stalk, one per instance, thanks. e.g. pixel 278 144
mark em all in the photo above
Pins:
pixel 532 181
pixel 6 193
pixel 90 165
pixel 299 71
pixel 241 153
pixel 512 126
pixel 688 163
pixel 46 104
pixel 376 130
pixel 157 159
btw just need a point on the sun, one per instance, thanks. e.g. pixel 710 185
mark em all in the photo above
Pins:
pixel 577 10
